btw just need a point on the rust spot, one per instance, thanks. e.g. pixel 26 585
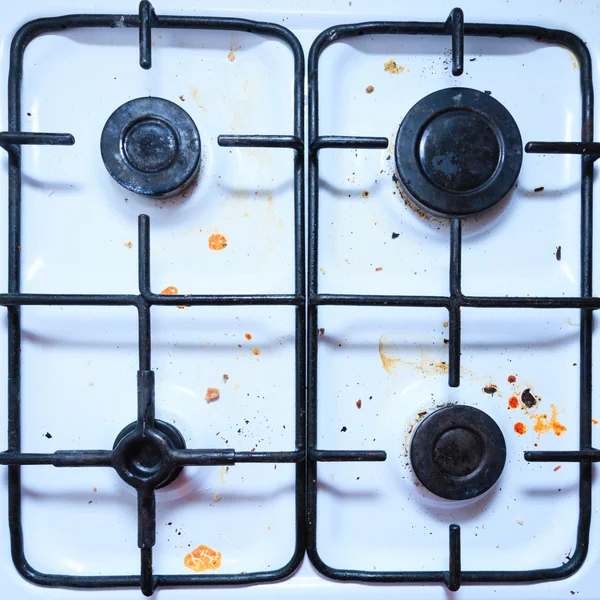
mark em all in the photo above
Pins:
pixel 369 89
pixel 128 245
pixel 513 402
pixel 248 336
pixel 520 428
pixel 358 403
pixel 543 424
pixel 255 351
pixel 511 379
pixel 528 399
pixel 391 67
pixel 202 558
pixel 212 395
pixel 556 468
pixel 217 242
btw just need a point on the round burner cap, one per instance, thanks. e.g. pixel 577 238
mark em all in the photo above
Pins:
pixel 151 146
pixel 458 152
pixel 458 452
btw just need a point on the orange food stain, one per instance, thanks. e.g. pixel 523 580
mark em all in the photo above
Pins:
pixel 595 421
pixel 248 336
pixel 217 242
pixel 255 351
pixel 520 428
pixel 379 268
pixel 202 558
pixel 556 468
pixel 513 402
pixel 511 379
pixel 128 245
pixel 212 394
pixel 543 424
pixel 171 291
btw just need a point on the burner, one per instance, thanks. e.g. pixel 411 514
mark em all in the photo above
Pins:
pixel 151 146
pixel 458 452
pixel 458 152
pixel 141 458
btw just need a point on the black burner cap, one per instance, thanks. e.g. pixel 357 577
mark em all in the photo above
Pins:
pixel 151 146
pixel 458 452
pixel 458 152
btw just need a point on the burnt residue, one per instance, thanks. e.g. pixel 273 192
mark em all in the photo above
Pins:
pixel 539 189
pixel 344 429
pixel 528 399
pixel 395 235
pixel 490 389
pixel 48 434
pixel 558 252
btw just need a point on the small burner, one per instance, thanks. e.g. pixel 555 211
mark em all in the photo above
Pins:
pixel 458 152
pixel 142 457
pixel 151 146
pixel 458 452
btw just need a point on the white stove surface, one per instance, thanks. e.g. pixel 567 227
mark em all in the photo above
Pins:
pixel 79 363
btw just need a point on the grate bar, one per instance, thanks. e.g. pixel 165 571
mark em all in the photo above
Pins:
pixel 351 142
pixel 147 16
pixel 456 24
pixel 261 141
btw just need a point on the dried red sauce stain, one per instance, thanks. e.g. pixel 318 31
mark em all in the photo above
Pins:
pixel 171 291
pixel 511 379
pixel 556 468
pixel 212 394
pixel 543 424
pixel 202 558
pixel 217 242
pixel 248 336
pixel 520 428
pixel 513 402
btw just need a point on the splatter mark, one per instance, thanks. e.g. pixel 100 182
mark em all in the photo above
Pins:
pixel 217 242
pixel 391 67
pixel 128 245
pixel 543 424
pixel 595 421
pixel 511 379
pixel 369 89
pixel 255 351
pixel 358 403
pixel 513 402
pixel 202 558
pixel 248 336
pixel 556 468
pixel 378 269
pixel 520 428
pixel 212 395
pixel 171 291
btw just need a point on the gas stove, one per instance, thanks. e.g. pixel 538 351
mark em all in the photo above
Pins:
pixel 246 359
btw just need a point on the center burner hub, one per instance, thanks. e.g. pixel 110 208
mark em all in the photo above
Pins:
pixel 458 152
pixel 458 452
pixel 151 146
pixel 142 457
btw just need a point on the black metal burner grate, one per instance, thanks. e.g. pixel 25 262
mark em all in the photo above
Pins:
pixel 148 456
pixel 590 151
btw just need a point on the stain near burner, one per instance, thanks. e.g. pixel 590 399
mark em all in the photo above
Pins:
pixel 520 428
pixel 391 67
pixel 513 402
pixel 395 236
pixel 558 252
pixel 217 242
pixel 202 558
pixel 48 435
pixel 511 379
pixel 528 399
pixel 490 389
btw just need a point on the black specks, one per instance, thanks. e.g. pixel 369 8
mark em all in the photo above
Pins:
pixel 48 435
pixel 490 389
pixel 28 114
pixel 472 59
pixel 528 399
pixel 344 429
pixel 539 189
pixel 558 252
pixel 488 92
pixel 395 235
pixel 388 157
pixel 170 523
pixel 446 341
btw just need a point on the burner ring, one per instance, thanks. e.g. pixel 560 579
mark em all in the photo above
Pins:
pixel 151 146
pixel 458 152
pixel 458 452
pixel 142 459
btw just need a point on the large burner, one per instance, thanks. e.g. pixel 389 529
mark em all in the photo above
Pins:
pixel 151 146
pixel 458 152
pixel 458 452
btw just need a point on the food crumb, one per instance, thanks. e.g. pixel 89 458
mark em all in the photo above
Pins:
pixel 217 242
pixel 202 558
pixel 225 378
pixel 212 395
pixel 48 434
pixel 216 497
pixel 95 489
pixel 128 245
pixel 231 56
pixel 248 336
pixel 539 189
pixel 395 235
pixel 391 67
pixel 369 89
pixel 511 379
pixel 378 268
pixel 595 421
pixel 255 351
pixel 182 98
pixel 445 324
pixel 358 403
pixel 520 428
pixel 365 194
pixel 556 468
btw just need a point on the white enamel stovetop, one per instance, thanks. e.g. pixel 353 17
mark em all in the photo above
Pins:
pixel 79 363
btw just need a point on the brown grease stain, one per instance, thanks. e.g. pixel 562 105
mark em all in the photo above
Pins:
pixel 427 366
pixel 202 558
